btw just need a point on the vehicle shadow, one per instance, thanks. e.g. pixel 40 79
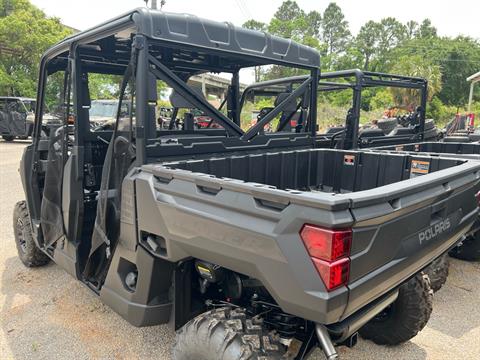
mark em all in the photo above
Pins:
pixel 370 351
pixel 458 301
pixel 46 314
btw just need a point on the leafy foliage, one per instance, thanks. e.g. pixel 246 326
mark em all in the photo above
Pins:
pixel 25 33
pixel 387 46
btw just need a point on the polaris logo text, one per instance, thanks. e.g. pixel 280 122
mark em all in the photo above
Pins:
pixel 434 230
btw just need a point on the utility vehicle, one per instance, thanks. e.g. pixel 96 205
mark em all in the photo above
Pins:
pixel 412 127
pixel 252 245
pixel 16 117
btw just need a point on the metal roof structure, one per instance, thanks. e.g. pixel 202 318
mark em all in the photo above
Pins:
pixel 189 30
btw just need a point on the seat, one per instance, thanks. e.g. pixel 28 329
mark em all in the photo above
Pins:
pixel 179 102
pixel 287 113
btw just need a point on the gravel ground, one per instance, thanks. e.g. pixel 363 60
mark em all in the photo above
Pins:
pixel 46 314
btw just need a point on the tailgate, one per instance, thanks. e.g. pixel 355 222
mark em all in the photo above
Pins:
pixel 397 238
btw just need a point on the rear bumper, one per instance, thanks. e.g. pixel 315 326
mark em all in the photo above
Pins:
pixel 341 331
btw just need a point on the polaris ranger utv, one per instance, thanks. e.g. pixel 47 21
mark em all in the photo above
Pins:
pixel 252 245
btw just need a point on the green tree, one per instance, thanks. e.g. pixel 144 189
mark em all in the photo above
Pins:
pixel 418 67
pixel 288 11
pixel 367 41
pixel 412 28
pixel 314 22
pixel 392 33
pixel 335 32
pixel 426 30
pixel 25 33
pixel 288 21
pixel 459 58
pixel 255 25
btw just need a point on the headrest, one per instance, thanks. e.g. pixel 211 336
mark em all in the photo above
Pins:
pixel 292 104
pixel 179 102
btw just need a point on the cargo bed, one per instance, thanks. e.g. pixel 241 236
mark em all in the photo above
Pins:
pixel 245 213
pixel 322 170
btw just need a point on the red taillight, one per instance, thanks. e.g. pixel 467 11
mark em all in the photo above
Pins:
pixel 477 197
pixel 333 274
pixel 329 250
pixel 326 244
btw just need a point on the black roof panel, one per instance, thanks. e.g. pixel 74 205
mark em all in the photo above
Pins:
pixel 192 30
pixel 184 29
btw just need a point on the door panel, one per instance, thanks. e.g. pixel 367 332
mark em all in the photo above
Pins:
pixel 51 210
pixel 51 216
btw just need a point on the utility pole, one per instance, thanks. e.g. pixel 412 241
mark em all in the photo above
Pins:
pixel 154 4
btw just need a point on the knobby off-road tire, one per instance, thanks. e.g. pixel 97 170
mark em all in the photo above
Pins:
pixel 437 271
pixel 468 249
pixel 226 334
pixel 28 252
pixel 403 319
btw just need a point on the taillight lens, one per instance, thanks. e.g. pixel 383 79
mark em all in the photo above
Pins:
pixel 329 250
pixel 333 274
pixel 326 244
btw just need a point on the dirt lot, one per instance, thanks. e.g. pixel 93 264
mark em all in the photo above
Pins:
pixel 46 314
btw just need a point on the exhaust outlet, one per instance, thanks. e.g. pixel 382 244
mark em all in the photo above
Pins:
pixel 325 342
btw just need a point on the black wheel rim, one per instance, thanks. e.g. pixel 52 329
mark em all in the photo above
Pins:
pixel 21 237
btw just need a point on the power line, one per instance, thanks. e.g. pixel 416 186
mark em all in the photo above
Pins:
pixel 243 9
pixel 247 10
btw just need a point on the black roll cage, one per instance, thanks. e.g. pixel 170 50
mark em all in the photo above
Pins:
pixel 355 80
pixel 358 80
pixel 139 24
